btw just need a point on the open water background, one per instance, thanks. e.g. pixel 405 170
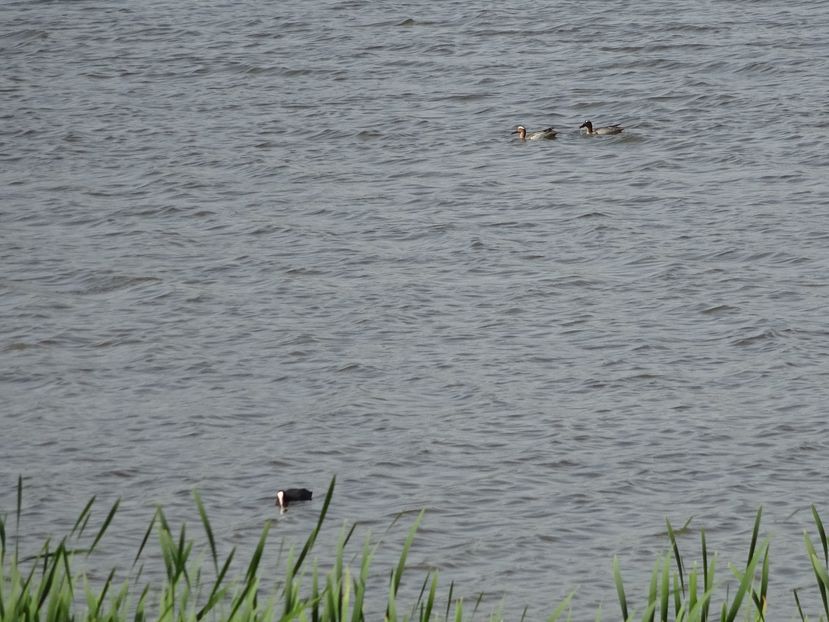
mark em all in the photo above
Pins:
pixel 247 245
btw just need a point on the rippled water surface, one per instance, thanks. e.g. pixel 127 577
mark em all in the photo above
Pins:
pixel 247 245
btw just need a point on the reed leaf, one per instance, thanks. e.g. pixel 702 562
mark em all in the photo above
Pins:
pixel 401 564
pixel 449 599
pixel 764 585
pixel 419 602
pixel 665 589
pixel 105 526
pixel 746 581
pixel 309 542
pixel 426 613
pixel 18 512
pixel 822 534
pixel 45 586
pixel 477 604
pixel 207 530
pixel 822 576
pixel 799 608
pixel 139 606
pixel 2 547
pixel 565 604
pixel 652 590
pixel 620 588
pixel 675 546
pixel 345 595
pixel 816 566
pixel 102 596
pixel 217 592
pixel 257 554
pixel 391 605
pixel 144 540
pixel 678 594
pixel 692 588
pixel 83 519
pixel 707 574
pixel 754 534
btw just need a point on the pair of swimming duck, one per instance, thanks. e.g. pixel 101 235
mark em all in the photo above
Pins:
pixel 550 133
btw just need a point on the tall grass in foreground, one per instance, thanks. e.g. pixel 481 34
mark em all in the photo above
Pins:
pixel 45 586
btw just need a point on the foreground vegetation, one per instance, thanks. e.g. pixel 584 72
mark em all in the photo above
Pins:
pixel 46 587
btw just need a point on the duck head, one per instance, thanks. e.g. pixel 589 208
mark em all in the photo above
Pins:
pixel 521 131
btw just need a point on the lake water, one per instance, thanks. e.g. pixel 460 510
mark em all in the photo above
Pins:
pixel 249 245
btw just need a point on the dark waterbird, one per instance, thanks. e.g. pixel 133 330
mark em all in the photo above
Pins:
pixel 289 495
pixel 601 131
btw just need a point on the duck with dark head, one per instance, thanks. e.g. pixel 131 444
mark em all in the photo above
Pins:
pixel 601 131
pixel 290 495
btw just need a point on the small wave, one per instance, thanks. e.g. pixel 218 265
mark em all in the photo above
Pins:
pixel 720 310
pixel 761 337
pixel 104 285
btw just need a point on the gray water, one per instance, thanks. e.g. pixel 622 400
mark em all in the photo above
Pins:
pixel 250 245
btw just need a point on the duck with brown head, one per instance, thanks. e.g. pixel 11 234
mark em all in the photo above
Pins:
pixel 545 134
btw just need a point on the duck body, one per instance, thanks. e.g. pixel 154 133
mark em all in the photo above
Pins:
pixel 545 134
pixel 290 495
pixel 601 131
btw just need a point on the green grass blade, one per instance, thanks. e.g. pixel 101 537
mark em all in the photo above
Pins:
pixel 707 575
pixel 677 556
pixel 665 590
pixel 250 575
pixel 105 526
pixel 822 576
pixel 449 599
pixel 754 534
pixel 83 517
pixel 430 600
pixel 620 588
pixel 104 591
pixel 207 529
pixel 677 596
pixel 477 604
pixel 815 567
pixel 764 585
pixel 799 608
pixel 401 564
pixel 391 605
pixel 563 605
pixel 419 601
pixel 18 512
pixel 309 543
pixel 692 587
pixel 745 583
pixel 822 534
pixel 144 541
pixel 652 591
pixel 46 586
pixel 2 545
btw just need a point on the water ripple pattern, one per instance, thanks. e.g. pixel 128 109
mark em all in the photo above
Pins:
pixel 247 245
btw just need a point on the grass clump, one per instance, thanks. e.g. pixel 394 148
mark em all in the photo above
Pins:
pixel 49 586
